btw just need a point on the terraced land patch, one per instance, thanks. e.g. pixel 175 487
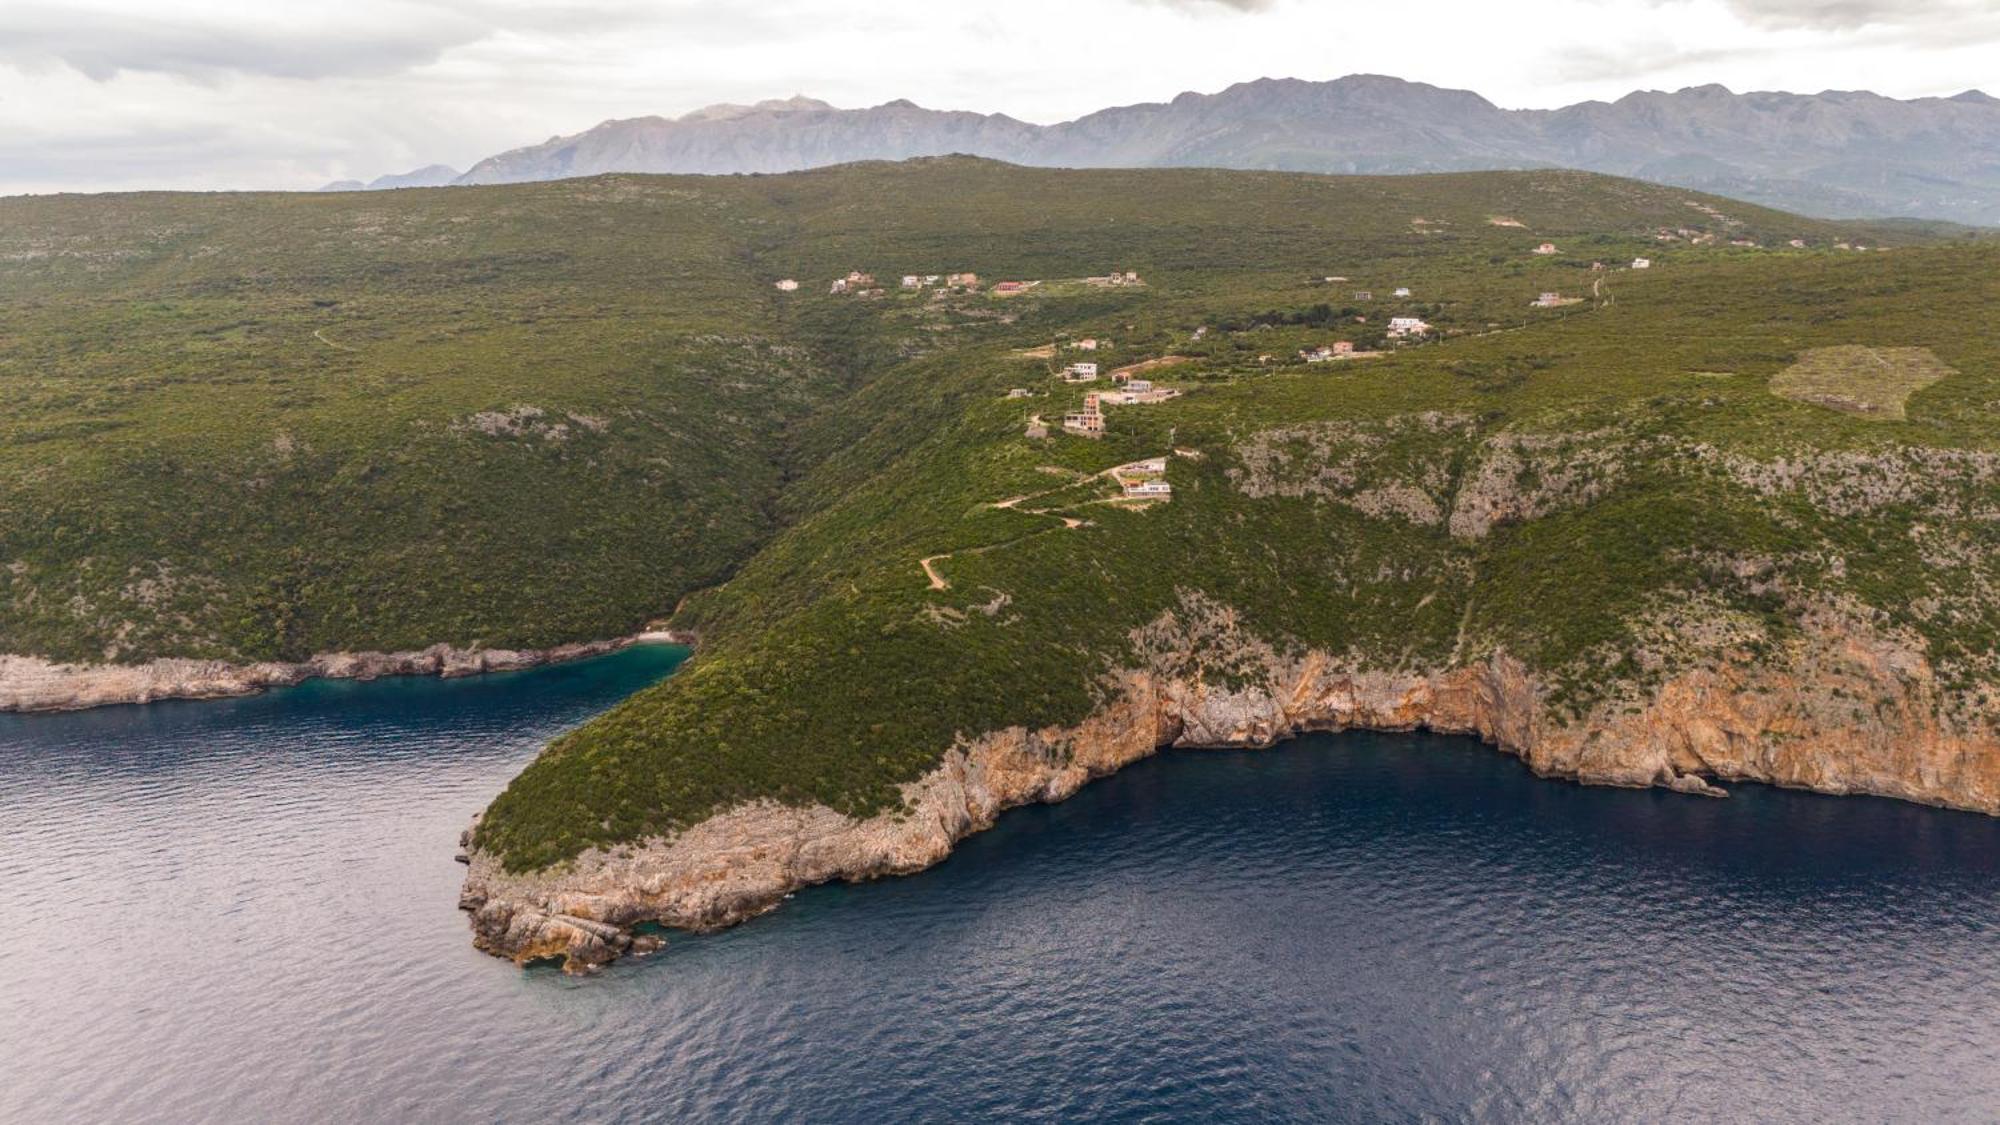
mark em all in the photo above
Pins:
pixel 1860 380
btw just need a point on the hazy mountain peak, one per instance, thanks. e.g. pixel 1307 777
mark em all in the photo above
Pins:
pixel 1835 154
pixel 728 111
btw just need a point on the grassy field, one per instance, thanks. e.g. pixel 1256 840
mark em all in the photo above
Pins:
pixel 261 425
pixel 1861 380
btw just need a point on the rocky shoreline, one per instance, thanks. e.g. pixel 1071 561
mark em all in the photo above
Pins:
pixel 33 684
pixel 1798 722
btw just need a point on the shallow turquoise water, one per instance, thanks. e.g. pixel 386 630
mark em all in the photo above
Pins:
pixel 245 911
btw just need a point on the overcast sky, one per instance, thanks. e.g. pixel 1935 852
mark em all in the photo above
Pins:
pixel 117 94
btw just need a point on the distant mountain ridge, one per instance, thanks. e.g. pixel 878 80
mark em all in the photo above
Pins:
pixel 1837 154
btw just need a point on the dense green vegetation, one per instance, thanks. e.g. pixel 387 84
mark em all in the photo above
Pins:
pixel 1562 484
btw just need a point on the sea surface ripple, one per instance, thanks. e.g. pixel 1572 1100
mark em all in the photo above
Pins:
pixel 245 910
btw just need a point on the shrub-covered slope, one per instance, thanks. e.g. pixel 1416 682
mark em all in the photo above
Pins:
pixel 1607 491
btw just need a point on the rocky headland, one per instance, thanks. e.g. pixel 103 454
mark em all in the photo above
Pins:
pixel 32 684
pixel 1843 709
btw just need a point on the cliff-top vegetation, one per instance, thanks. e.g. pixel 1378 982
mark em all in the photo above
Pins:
pixel 264 426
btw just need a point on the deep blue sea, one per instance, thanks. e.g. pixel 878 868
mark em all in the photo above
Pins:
pixel 245 911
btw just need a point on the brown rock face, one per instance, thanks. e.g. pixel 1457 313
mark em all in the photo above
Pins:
pixel 1842 712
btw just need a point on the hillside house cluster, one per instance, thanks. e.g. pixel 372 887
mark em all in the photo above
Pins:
pixel 861 282
pixel 1325 353
pixel 1401 327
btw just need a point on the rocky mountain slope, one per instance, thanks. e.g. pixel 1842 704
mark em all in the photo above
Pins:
pixel 1837 154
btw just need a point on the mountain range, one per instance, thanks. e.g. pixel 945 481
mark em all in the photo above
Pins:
pixel 1837 154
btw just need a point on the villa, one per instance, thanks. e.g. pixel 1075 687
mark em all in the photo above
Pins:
pixel 1144 489
pixel 1081 373
pixel 1401 326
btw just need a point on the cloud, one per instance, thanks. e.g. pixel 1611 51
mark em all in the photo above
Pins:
pixel 1848 15
pixel 305 40
pixel 1245 6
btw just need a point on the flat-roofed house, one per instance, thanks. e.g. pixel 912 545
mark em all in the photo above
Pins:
pixel 1084 423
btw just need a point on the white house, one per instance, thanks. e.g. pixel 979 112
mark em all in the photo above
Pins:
pixel 1546 248
pixel 912 281
pixel 1139 386
pixel 1642 263
pixel 1149 465
pixel 789 285
pixel 1148 488
pixel 1019 392
pixel 1082 372
pixel 1087 344
pixel 1407 326
pixel 1548 300
pixel 1403 292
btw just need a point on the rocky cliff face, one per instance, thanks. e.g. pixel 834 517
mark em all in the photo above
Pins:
pixel 32 684
pixel 1844 709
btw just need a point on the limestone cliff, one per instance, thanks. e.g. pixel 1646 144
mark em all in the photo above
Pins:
pixel 32 684
pixel 1843 709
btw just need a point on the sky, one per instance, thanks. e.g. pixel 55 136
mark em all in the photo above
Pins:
pixel 100 95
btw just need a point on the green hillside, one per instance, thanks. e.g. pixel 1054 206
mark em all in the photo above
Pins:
pixel 269 425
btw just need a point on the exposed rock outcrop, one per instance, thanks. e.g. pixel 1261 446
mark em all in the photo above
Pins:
pixel 32 684
pixel 1797 720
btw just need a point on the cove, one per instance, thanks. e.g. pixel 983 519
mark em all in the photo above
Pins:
pixel 246 909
